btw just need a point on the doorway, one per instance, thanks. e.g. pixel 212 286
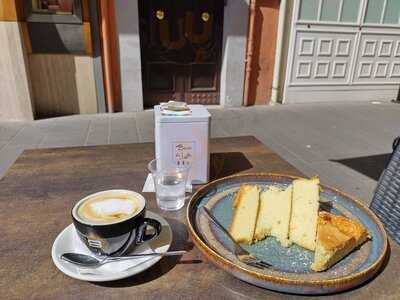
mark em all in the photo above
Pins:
pixel 181 46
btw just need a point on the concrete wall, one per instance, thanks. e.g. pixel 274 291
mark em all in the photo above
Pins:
pixel 236 18
pixel 129 54
pixel 15 97
pixel 285 49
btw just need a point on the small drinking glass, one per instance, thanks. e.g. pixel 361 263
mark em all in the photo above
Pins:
pixel 169 184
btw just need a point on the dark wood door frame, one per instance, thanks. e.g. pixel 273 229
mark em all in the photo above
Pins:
pixel 109 51
pixel 181 49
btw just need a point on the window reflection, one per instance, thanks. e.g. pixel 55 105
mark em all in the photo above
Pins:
pixel 59 7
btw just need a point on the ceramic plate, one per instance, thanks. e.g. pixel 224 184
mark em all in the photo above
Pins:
pixel 291 271
pixel 68 241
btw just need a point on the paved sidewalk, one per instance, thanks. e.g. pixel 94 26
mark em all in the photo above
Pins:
pixel 346 144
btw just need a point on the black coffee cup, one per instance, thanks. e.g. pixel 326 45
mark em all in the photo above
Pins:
pixel 121 234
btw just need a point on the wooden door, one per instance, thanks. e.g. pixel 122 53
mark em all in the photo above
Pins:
pixel 181 45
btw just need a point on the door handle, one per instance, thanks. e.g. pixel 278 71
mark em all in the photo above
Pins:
pixel 205 16
pixel 160 14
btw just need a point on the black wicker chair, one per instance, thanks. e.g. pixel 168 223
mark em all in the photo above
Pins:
pixel 386 201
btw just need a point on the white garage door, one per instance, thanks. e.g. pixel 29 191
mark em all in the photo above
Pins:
pixel 344 50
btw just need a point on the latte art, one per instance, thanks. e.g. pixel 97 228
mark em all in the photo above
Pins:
pixel 105 210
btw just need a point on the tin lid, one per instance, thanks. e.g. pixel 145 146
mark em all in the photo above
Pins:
pixel 199 114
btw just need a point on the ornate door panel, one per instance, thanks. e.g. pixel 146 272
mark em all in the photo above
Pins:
pixel 344 49
pixel 378 59
pixel 181 44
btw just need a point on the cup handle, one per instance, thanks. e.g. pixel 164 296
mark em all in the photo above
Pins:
pixel 141 232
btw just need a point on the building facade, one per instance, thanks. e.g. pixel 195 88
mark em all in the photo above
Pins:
pixel 343 50
pixel 62 57
pixel 48 59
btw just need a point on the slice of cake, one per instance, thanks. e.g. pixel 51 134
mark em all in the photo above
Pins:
pixel 347 226
pixel 337 236
pixel 304 218
pixel 245 213
pixel 274 215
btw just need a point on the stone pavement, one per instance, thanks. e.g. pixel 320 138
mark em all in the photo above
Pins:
pixel 346 144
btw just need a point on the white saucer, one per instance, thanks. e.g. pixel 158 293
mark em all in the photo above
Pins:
pixel 68 241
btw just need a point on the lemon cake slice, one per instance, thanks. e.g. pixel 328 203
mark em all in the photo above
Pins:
pixel 274 215
pixel 337 236
pixel 304 215
pixel 245 213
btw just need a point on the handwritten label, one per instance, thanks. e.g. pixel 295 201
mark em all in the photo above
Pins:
pixel 183 153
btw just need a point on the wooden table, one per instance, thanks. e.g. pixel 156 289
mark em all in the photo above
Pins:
pixel 40 189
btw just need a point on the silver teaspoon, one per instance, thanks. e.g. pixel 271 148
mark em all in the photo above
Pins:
pixel 89 261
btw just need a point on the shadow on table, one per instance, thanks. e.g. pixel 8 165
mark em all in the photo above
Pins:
pixel 228 163
pixel 379 272
pixel 349 291
pixel 180 242
pixel 371 166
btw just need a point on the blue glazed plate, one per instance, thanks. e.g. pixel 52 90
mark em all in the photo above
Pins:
pixel 291 271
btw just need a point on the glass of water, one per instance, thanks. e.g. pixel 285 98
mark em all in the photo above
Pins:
pixel 169 184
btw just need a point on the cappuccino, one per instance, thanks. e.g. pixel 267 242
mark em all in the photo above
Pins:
pixel 108 209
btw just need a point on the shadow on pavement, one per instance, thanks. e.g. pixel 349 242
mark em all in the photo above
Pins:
pixel 371 166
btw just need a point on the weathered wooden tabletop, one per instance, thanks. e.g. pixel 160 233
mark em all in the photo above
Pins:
pixel 38 192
